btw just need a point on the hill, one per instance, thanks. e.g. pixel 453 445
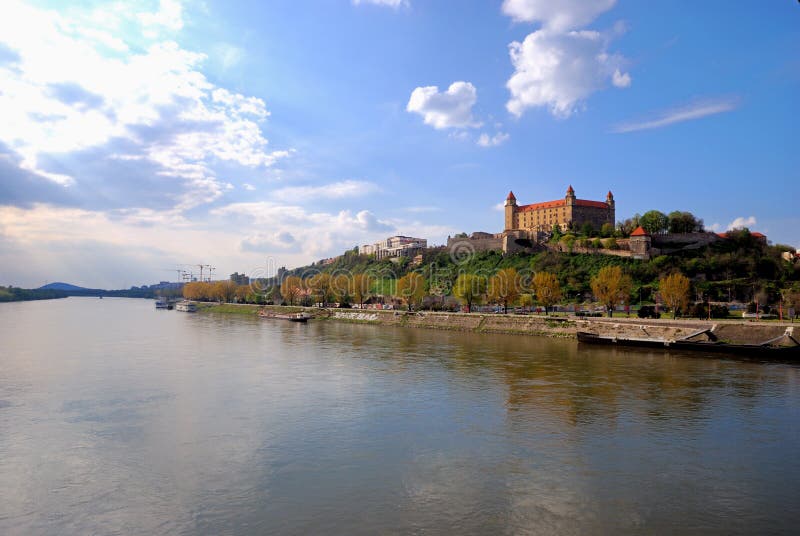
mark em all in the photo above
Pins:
pixel 61 286
pixel 740 268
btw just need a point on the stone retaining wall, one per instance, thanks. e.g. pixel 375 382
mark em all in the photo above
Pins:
pixel 552 326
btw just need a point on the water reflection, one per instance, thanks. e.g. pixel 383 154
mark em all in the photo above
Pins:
pixel 121 419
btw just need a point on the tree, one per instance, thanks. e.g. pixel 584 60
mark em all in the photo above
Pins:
pixel 504 287
pixel 674 290
pixel 291 288
pixel 654 222
pixel 610 286
pixel 361 287
pixel 684 222
pixel 321 285
pixel 469 289
pixel 556 232
pixel 627 227
pixel 340 284
pixel 587 229
pixel 411 289
pixel 606 230
pixel 243 293
pixel 547 289
pixel 224 291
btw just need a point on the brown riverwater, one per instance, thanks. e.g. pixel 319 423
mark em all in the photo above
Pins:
pixel 116 418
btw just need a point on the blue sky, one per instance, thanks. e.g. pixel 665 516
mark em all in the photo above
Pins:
pixel 250 135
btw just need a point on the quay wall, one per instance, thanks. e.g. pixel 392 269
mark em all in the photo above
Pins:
pixel 553 326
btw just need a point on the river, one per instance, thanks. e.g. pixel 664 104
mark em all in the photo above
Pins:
pixel 116 418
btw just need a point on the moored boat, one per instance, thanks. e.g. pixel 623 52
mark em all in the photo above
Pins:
pixel 291 317
pixel 186 306
pixel 727 339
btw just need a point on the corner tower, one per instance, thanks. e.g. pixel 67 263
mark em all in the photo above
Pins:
pixel 570 198
pixel 511 208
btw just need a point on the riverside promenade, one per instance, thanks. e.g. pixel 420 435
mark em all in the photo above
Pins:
pixel 535 325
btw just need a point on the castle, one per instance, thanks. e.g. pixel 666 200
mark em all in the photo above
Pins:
pixel 567 213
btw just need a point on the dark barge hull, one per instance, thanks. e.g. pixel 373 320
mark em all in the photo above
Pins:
pixel 746 350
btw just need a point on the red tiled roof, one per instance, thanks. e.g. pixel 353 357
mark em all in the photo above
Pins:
pixel 587 203
pixel 511 196
pixel 755 234
pixel 639 231
pixel 546 204
pixel 561 203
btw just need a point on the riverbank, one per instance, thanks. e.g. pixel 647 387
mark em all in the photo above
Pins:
pixel 542 326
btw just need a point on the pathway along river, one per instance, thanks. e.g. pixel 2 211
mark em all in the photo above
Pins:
pixel 116 418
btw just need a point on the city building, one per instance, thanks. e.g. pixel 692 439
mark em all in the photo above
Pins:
pixel 395 246
pixel 567 213
pixel 240 279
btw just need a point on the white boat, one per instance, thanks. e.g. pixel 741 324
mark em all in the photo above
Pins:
pixel 162 303
pixel 292 317
pixel 186 306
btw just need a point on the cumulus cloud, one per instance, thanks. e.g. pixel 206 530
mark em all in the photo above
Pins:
pixel 248 187
pixel 448 109
pixel 557 15
pixel 742 222
pixel 66 94
pixel 690 112
pixel 561 70
pixel 313 234
pixel 336 190
pixel 44 241
pixel 168 15
pixel 493 141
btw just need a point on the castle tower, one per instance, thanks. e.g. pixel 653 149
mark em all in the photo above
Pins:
pixel 611 208
pixel 570 196
pixel 511 208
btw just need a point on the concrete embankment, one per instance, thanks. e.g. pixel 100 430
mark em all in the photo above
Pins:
pixel 512 324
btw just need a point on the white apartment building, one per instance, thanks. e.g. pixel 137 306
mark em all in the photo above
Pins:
pixel 394 246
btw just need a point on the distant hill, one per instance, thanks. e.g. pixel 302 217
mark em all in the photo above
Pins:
pixel 61 286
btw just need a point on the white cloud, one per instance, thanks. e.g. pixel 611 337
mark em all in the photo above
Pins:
pixel 561 70
pixel 248 187
pixel 388 3
pixel 228 55
pixel 696 110
pixel 498 139
pixel 742 222
pixel 336 190
pixel 449 109
pixel 67 93
pixel 557 15
pixel 621 79
pixel 499 207
pixel 314 234
pixel 169 15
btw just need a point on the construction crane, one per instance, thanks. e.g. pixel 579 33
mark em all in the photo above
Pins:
pixel 204 269
pixel 177 270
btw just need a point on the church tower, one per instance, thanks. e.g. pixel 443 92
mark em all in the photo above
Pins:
pixel 511 208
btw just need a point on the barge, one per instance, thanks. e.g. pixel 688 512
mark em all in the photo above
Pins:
pixel 775 342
